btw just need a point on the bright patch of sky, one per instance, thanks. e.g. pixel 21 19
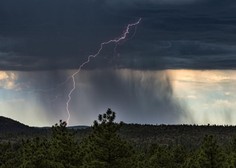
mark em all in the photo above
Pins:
pixel 209 95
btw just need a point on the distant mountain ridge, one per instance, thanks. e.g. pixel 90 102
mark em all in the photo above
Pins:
pixel 78 127
pixel 11 126
pixel 14 129
pixel 8 124
pixel 140 134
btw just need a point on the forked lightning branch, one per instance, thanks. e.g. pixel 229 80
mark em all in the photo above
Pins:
pixel 102 45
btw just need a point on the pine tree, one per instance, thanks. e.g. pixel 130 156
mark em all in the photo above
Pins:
pixel 211 155
pixel 104 148
pixel 231 157
pixel 161 157
pixel 8 155
pixel 64 148
pixel 59 151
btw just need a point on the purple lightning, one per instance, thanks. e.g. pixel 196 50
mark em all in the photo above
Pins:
pixel 116 41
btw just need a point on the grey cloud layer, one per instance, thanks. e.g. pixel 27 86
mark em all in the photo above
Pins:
pixel 42 35
pixel 153 2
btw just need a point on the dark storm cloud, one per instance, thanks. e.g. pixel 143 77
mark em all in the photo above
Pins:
pixel 57 34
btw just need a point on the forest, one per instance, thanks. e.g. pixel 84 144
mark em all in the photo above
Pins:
pixel 108 144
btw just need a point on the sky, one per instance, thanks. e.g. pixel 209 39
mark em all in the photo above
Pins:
pixel 176 67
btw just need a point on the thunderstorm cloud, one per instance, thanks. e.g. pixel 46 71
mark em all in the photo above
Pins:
pixel 173 34
pixel 42 42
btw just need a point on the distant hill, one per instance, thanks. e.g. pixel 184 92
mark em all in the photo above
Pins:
pixel 141 135
pixel 11 129
pixel 14 130
pixel 79 127
pixel 11 126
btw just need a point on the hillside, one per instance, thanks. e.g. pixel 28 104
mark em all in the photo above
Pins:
pixel 146 145
pixel 10 126
pixel 11 129
pixel 142 135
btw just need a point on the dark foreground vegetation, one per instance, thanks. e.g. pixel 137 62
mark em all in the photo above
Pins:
pixel 111 145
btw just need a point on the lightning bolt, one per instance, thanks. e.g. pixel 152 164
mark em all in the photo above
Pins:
pixel 116 41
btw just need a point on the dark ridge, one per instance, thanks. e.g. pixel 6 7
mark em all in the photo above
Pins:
pixel 142 135
pixel 11 130
pixel 10 125
pixel 79 127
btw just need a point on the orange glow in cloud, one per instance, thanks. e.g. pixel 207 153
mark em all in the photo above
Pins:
pixel 8 80
pixel 209 94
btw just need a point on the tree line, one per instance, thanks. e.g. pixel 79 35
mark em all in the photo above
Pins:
pixel 103 147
